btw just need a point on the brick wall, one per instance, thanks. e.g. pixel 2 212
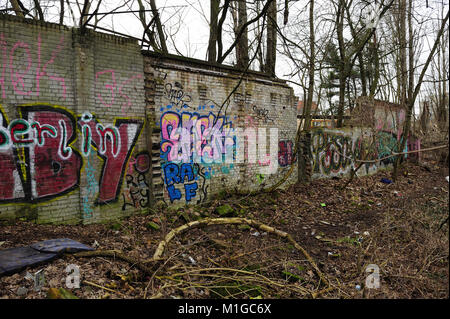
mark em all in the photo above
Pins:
pixel 72 124
pixel 196 98
pixel 334 152
pixel 93 129
pixel 88 122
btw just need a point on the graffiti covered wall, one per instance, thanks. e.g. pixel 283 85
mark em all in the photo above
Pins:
pixel 334 152
pixel 92 129
pixel 210 136
pixel 373 133
pixel 72 117
pixel 386 119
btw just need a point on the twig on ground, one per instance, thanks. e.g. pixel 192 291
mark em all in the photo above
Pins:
pixel 234 220
pixel 101 287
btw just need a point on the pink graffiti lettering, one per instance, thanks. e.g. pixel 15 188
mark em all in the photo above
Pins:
pixel 127 104
pixel 110 87
pixel 19 77
pixel 205 133
pixel 41 73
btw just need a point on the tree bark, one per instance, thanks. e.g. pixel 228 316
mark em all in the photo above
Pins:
pixel 242 58
pixel 342 62
pixel 38 8
pixel 213 30
pixel 17 9
pixel 271 50
pixel 221 57
pixel 303 158
pixel 403 83
pixel 311 69
pixel 162 39
pixel 225 7
pixel 61 12
pixel 415 92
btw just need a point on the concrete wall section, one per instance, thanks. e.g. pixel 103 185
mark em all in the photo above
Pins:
pixel 72 117
pixel 202 112
pixel 335 151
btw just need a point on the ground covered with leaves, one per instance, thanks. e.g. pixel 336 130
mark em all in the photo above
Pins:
pixel 399 229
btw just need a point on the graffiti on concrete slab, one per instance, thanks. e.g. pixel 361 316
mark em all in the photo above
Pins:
pixel 38 158
pixel 136 193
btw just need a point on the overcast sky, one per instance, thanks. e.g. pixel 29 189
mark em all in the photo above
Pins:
pixel 186 24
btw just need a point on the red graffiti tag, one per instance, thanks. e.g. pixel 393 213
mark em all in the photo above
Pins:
pixel 115 149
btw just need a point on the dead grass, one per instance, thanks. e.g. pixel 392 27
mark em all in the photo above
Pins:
pixel 393 226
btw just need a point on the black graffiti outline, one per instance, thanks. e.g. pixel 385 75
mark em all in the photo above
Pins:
pixel 262 114
pixel 177 95
pixel 200 172
pixel 117 123
pixel 16 160
pixel 145 152
pixel 24 110
pixel 144 199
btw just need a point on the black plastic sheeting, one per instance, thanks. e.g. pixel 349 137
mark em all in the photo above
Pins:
pixel 13 260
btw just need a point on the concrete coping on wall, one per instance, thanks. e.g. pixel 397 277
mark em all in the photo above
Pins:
pixel 9 17
pixel 86 32
pixel 172 61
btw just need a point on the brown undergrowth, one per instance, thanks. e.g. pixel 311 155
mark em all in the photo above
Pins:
pixel 393 226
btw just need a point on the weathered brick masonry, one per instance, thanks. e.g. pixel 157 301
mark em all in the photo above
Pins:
pixel 373 133
pixel 93 129
pixel 190 94
pixel 88 126
pixel 71 125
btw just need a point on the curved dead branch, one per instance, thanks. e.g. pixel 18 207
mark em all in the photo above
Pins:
pixel 233 220
pixel 119 255
pixel 158 255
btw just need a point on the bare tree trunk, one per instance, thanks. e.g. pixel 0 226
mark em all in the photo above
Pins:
pixel 403 82
pixel 61 12
pixel 162 39
pixel 443 95
pixel 260 31
pixel 311 70
pixel 362 69
pixel 225 7
pixel 342 62
pixel 71 13
pixel 286 12
pixel 410 105
pixel 424 117
pixel 240 32
pixel 242 58
pixel 38 8
pixel 84 11
pixel 213 30
pixel 271 50
pixel 376 78
pixel 150 34
pixel 17 9
pixel 410 53
pixel 303 158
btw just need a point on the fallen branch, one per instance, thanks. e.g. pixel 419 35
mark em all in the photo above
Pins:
pixel 443 223
pixel 157 256
pixel 119 255
pixel 101 287
pixel 233 220
pixel 316 294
